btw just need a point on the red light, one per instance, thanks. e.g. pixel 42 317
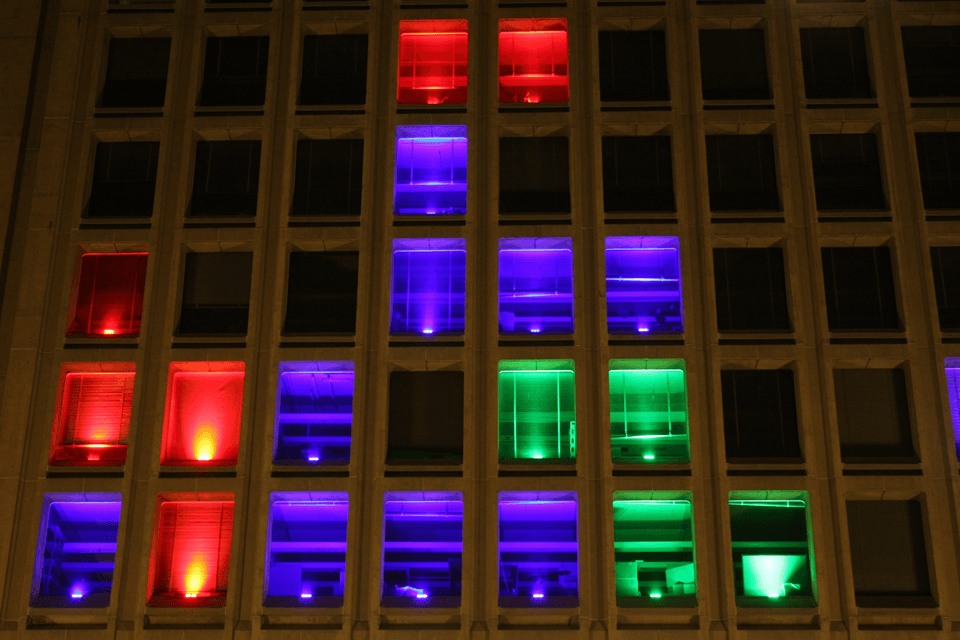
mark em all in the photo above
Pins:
pixel 533 60
pixel 432 66
pixel 108 295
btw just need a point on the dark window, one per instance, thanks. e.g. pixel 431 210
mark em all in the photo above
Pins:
pixel 835 63
pixel 136 72
pixel 322 292
pixel 637 174
pixel 633 66
pixel 742 173
pixel 760 415
pixel 124 180
pixel 846 171
pixel 751 290
pixel 888 553
pixel 426 416
pixel 329 178
pixel 858 282
pixel 534 175
pixel 932 58
pixel 939 158
pixel 946 281
pixel 235 71
pixel 873 415
pixel 733 64
pixel 334 70
pixel 226 179
pixel 216 294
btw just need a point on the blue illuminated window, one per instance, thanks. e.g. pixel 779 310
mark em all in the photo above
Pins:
pixel 431 170
pixel 422 549
pixel 538 557
pixel 536 285
pixel 643 285
pixel 306 549
pixel 76 550
pixel 429 286
pixel 314 413
pixel 953 394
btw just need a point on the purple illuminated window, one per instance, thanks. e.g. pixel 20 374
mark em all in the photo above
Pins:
pixel 536 285
pixel 314 413
pixel 431 170
pixel 643 285
pixel 422 549
pixel 953 389
pixel 429 286
pixel 538 558
pixel 306 549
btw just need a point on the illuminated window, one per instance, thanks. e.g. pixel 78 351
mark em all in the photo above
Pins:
pixel 648 411
pixel 108 295
pixel 537 552
pixel 953 393
pixel 76 550
pixel 431 170
pixel 643 285
pixel 433 62
pixel 536 285
pixel 314 413
pixel 93 414
pixel 306 549
pixel 653 549
pixel 537 411
pixel 429 286
pixel 190 560
pixel 201 425
pixel 533 60
pixel 772 549
pixel 422 549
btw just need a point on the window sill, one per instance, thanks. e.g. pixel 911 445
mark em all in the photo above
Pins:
pixel 67 618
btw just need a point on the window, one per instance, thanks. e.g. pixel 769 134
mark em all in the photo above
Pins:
pixel 190 560
pixel 835 63
pixel 633 66
pixel 432 65
pixel 751 290
pixel 760 416
pixel 733 64
pixel 537 411
pixel 742 173
pixel 76 550
pixel 216 293
pixel 534 175
pixel 653 549
pixel 859 285
pixel 235 72
pixel 873 415
pixel 953 395
pixel 643 285
pixel 108 295
pixel 322 292
pixel 939 158
pixel 334 70
pixel 124 180
pixel 648 412
pixel 429 286
pixel 536 285
pixel 314 413
pixel 932 59
pixel 846 172
pixel 426 417
pixel 888 553
pixel 537 554
pixel 92 421
pixel 431 170
pixel 201 423
pixel 306 549
pixel 329 178
pixel 226 179
pixel 533 64
pixel 637 174
pixel 422 549
pixel 136 72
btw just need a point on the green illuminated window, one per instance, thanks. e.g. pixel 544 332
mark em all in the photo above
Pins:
pixel 772 549
pixel 648 411
pixel 537 411
pixel 653 549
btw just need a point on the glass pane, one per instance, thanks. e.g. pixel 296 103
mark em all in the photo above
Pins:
pixel 314 413
pixel 536 285
pixel 648 412
pixel 537 411
pixel 432 62
pixel 429 286
pixel 643 285
pixel 431 170
pixel 533 61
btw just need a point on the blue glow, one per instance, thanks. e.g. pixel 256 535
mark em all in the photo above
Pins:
pixel 536 285
pixel 538 595
pixel 643 285
pixel 429 286
pixel 952 367
pixel 314 413
pixel 76 594
pixel 431 170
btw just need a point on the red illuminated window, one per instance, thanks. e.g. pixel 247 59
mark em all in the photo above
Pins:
pixel 533 60
pixel 190 560
pixel 93 414
pixel 108 295
pixel 433 62
pixel 201 425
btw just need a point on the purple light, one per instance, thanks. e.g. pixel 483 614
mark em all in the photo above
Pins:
pixel 643 285
pixel 429 286
pixel 76 594
pixel 422 596
pixel 431 170
pixel 306 596
pixel 427 331
pixel 536 285
pixel 538 596
pixel 953 394
pixel 314 413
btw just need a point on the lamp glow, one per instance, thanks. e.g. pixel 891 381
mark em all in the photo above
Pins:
pixel 108 332
pixel 768 575
pixel 649 456
pixel 538 596
pixel 194 577
pixel 205 443
pixel 76 594
pixel 656 594
pixel 306 596
pixel 427 331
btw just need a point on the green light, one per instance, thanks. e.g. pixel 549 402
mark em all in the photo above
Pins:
pixel 655 594
pixel 648 404
pixel 769 575
pixel 649 456
pixel 537 410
